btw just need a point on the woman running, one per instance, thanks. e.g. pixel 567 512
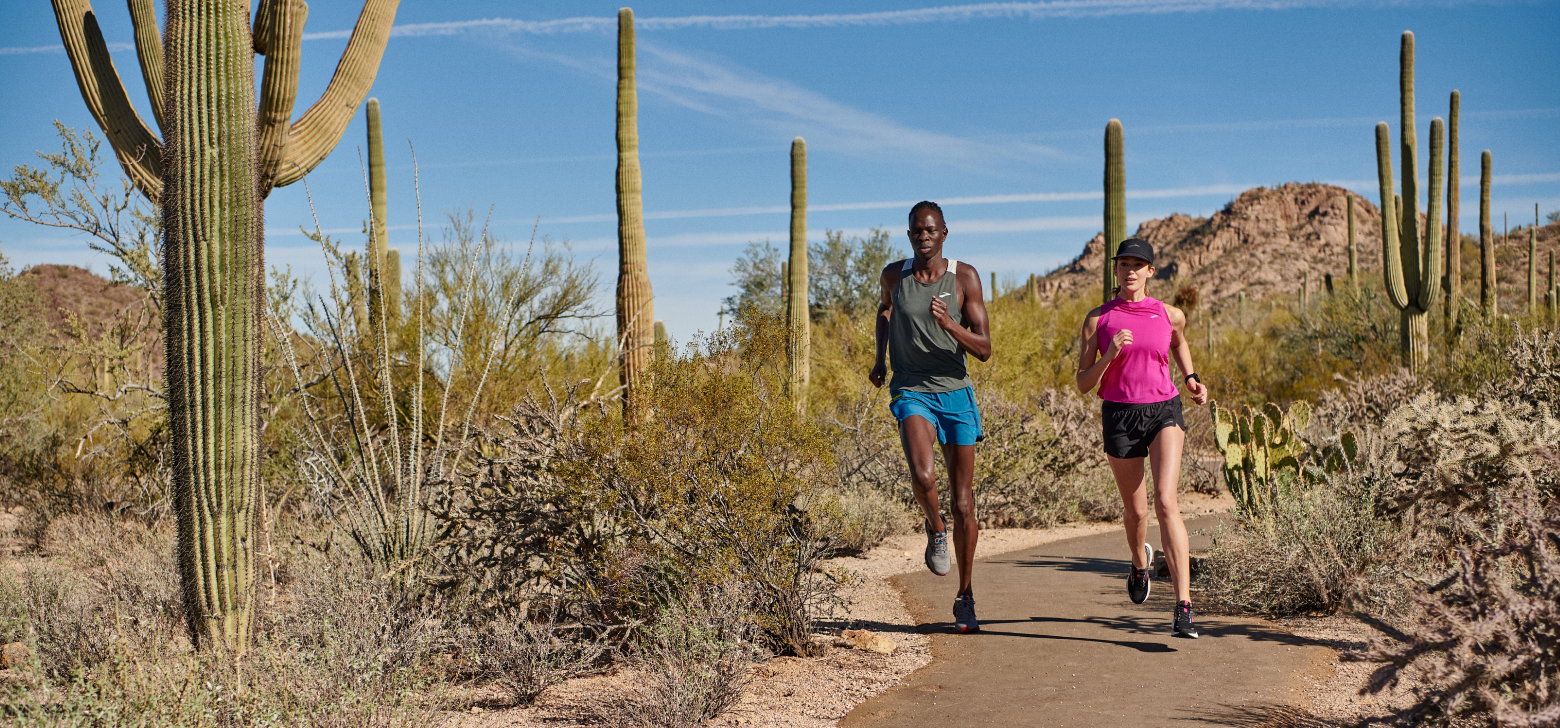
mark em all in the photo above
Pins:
pixel 1126 351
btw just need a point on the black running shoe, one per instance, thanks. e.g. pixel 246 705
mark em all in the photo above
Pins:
pixel 1137 579
pixel 1183 625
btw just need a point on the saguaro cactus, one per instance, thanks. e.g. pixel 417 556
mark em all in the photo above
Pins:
pixel 1453 228
pixel 1533 262
pixel 384 288
pixel 355 297
pixel 1489 294
pixel 1354 251
pixel 1412 273
pixel 796 303
pixel 1115 201
pixel 635 306
pixel 220 154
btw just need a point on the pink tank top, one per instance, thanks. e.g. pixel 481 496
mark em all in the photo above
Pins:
pixel 1141 372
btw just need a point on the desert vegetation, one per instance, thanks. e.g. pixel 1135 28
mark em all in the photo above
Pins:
pixel 452 484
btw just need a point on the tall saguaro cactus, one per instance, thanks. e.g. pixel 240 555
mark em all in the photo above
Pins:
pixel 796 301
pixel 220 153
pixel 635 305
pixel 1453 229
pixel 384 290
pixel 1533 262
pixel 1115 201
pixel 1412 271
pixel 1489 293
pixel 1354 251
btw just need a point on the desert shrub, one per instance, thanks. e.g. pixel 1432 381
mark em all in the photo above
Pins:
pixel 1317 550
pixel 692 661
pixel 1361 405
pixel 719 482
pixel 1483 640
pixel 522 653
pixel 857 519
pixel 1041 463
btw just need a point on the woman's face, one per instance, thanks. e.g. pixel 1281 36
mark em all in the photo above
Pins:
pixel 1133 273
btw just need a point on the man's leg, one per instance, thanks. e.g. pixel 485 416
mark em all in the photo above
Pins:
pixel 919 438
pixel 1134 499
pixel 966 529
pixel 1165 456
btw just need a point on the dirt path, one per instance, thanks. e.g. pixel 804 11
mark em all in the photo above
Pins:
pixel 1061 645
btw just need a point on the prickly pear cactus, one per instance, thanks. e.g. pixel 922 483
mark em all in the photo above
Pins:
pixel 1264 452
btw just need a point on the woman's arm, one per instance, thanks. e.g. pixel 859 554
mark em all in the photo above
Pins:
pixel 1091 366
pixel 1182 351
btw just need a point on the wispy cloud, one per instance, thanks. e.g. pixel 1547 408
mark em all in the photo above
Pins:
pixel 1030 11
pixel 23 50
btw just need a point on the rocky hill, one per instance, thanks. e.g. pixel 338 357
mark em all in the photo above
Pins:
pixel 1269 239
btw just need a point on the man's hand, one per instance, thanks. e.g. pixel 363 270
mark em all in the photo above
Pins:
pixel 940 312
pixel 879 373
pixel 1199 391
pixel 1121 340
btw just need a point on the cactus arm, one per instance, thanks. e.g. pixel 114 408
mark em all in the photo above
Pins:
pixel 1488 300
pixel 1411 264
pixel 1533 262
pixel 1391 263
pixel 1115 201
pixel 1430 283
pixel 279 28
pixel 316 133
pixel 149 50
pixel 138 149
pixel 1354 251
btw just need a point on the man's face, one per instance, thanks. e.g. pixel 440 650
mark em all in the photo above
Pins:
pixel 927 233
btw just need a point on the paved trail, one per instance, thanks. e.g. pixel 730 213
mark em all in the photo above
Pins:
pixel 1061 645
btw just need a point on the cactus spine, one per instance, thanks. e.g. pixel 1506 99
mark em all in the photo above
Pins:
pixel 1412 274
pixel 1115 202
pixel 214 276
pixel 1488 294
pixel 1533 263
pixel 1453 228
pixel 796 302
pixel 1354 251
pixel 635 306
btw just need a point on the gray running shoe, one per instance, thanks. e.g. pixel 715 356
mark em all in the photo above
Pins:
pixel 964 621
pixel 937 558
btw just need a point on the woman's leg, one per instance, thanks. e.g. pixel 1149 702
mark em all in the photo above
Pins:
pixel 1134 499
pixel 1164 454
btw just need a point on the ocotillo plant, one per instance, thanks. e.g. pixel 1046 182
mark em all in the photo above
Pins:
pixel 635 306
pixel 1554 303
pixel 1412 272
pixel 1533 262
pixel 1488 294
pixel 1453 229
pixel 221 153
pixel 796 303
pixel 1115 201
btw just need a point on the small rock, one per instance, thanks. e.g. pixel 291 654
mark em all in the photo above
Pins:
pixel 13 656
pixel 864 639
pixel 10 522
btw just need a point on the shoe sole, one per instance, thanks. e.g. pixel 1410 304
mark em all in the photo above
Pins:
pixel 967 630
pixel 1184 635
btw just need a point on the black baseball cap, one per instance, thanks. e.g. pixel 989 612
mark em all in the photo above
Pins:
pixel 1135 248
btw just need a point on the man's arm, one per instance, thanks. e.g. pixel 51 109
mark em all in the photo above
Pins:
pixel 880 330
pixel 975 336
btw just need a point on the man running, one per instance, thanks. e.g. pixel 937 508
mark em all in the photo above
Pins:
pixel 1127 345
pixel 932 311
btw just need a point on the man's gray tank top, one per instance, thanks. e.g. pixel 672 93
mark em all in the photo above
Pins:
pixel 925 358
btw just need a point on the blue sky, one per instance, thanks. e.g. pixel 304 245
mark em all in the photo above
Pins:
pixel 996 110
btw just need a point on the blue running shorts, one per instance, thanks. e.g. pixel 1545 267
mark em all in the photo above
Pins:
pixel 954 414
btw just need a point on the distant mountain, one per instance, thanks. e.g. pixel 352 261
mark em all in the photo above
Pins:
pixel 1268 239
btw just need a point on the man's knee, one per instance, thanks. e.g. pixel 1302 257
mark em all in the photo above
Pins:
pixel 924 477
pixel 963 504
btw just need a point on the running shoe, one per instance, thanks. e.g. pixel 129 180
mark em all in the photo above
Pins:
pixel 1137 579
pixel 937 558
pixel 1183 625
pixel 964 620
